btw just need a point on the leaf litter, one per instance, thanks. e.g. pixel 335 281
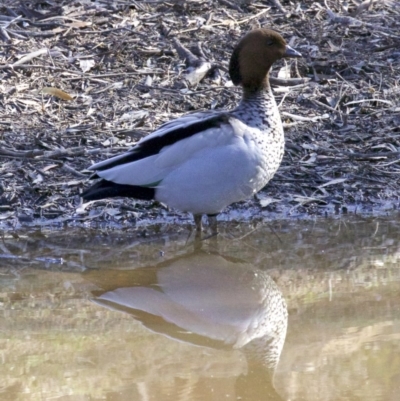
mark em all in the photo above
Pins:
pixel 83 81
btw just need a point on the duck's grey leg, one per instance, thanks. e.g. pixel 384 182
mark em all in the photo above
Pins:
pixel 212 221
pixel 197 221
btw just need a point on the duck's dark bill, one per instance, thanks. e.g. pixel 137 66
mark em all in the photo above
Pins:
pixel 290 52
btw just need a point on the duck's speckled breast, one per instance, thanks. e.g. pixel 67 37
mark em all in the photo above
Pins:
pixel 262 115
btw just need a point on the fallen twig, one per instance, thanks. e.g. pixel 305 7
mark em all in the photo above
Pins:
pixel 197 67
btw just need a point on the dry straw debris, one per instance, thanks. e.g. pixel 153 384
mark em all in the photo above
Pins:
pixel 81 81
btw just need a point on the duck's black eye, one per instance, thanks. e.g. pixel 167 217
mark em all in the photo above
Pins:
pixel 270 43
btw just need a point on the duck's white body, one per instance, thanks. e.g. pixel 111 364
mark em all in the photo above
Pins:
pixel 205 161
pixel 212 168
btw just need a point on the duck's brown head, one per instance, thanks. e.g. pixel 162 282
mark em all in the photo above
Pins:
pixel 254 55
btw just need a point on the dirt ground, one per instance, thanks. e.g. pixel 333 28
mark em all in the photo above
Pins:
pixel 81 81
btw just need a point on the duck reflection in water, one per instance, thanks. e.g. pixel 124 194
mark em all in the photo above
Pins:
pixel 210 301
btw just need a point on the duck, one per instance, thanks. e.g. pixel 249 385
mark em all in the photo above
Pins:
pixel 204 161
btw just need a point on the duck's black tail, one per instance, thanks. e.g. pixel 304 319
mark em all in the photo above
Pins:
pixel 107 189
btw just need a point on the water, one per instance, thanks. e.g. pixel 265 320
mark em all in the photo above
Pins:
pixel 97 315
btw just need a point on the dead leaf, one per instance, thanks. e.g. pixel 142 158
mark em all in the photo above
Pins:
pixel 78 24
pixel 86 65
pixel 49 167
pixel 5 216
pixel 267 200
pixel 333 182
pixel 57 93
pixel 284 72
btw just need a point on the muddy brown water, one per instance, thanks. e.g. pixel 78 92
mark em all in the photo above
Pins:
pixel 103 315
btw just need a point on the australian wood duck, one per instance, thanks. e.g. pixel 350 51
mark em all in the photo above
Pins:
pixel 203 162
